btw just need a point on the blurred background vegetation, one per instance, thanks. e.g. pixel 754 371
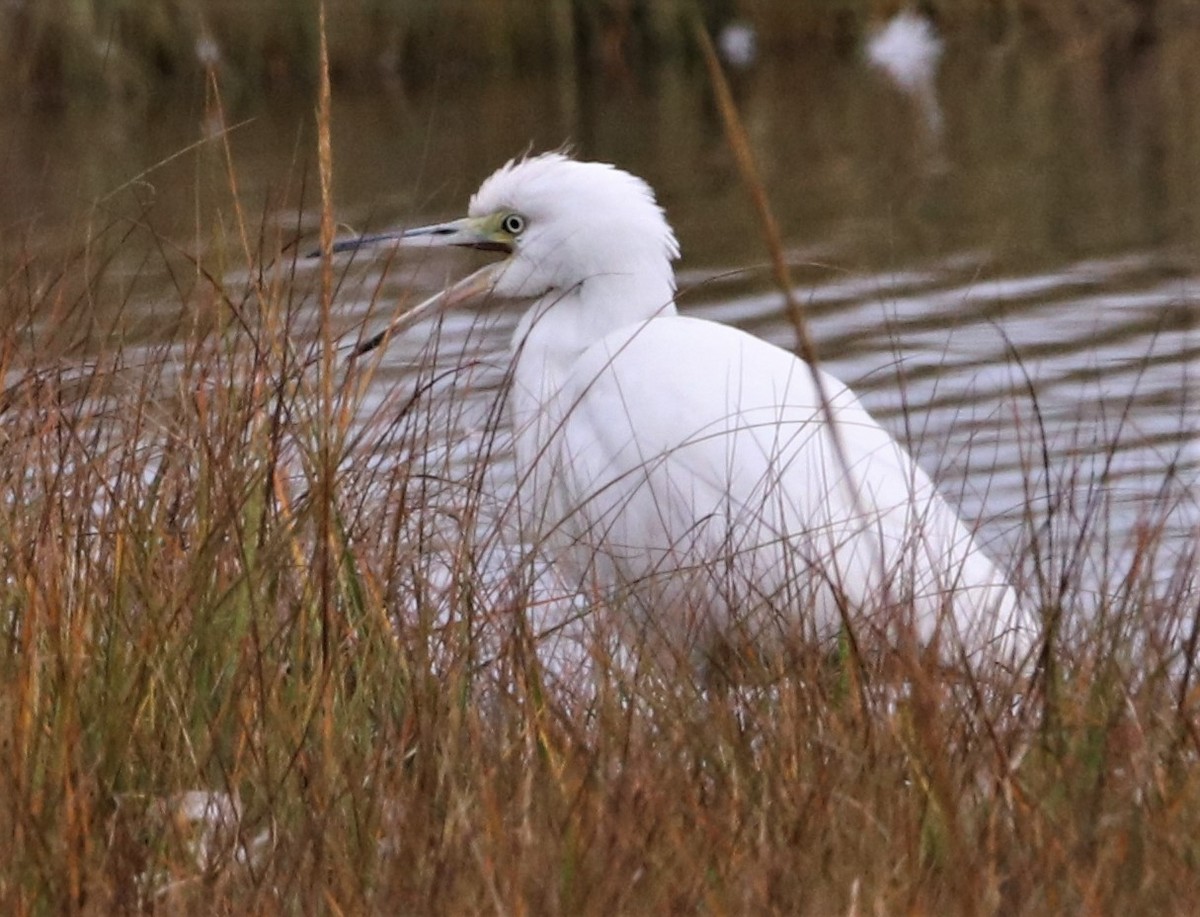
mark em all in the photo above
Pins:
pixel 53 51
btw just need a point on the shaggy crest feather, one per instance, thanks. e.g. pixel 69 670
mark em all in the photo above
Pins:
pixel 611 223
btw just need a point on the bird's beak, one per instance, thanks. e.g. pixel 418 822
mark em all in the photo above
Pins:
pixel 482 233
pixel 469 232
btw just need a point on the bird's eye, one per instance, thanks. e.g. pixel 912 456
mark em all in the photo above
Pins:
pixel 513 224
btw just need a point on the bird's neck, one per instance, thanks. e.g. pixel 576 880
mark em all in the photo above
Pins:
pixel 556 330
pixel 560 326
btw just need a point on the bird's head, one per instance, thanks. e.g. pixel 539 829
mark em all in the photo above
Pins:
pixel 559 222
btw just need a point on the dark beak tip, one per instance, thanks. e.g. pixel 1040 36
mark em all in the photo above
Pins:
pixel 338 248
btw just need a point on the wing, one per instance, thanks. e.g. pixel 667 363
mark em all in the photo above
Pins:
pixel 689 445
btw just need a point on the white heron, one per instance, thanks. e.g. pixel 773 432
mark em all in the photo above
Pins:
pixel 908 51
pixel 690 472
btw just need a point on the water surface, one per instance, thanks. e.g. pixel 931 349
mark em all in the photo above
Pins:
pixel 1003 266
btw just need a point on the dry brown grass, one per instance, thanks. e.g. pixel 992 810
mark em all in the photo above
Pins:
pixel 166 631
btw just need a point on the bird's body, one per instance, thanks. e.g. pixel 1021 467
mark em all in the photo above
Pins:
pixel 686 467
pixel 687 471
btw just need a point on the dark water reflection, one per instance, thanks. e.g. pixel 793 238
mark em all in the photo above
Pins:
pixel 1047 230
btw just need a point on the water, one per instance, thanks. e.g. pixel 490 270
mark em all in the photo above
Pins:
pixel 1001 261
